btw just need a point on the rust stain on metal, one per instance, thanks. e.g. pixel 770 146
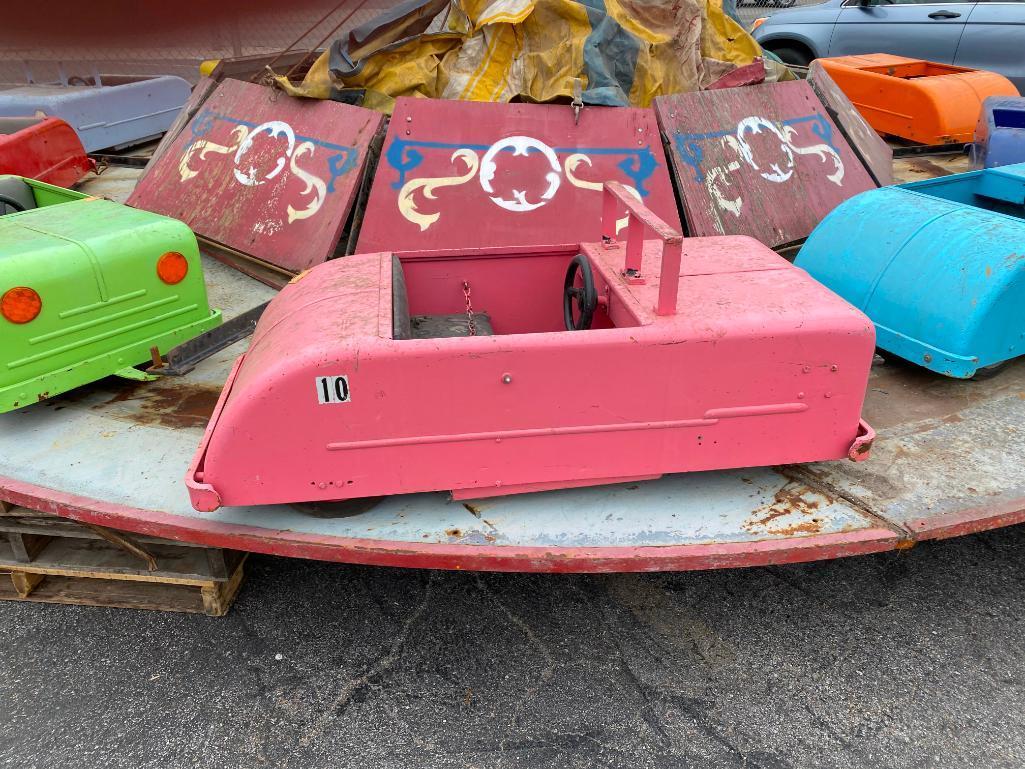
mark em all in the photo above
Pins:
pixel 794 510
pixel 166 402
pixel 927 167
pixel 906 169
pixel 816 481
pixel 808 527
pixel 861 450
pixel 470 536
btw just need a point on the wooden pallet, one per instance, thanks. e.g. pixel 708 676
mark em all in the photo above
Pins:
pixel 51 559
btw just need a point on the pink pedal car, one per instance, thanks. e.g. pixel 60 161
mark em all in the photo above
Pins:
pixel 500 371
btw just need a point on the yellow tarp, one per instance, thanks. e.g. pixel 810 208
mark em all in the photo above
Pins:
pixel 625 52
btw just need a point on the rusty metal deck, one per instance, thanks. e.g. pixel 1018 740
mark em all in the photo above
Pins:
pixel 948 461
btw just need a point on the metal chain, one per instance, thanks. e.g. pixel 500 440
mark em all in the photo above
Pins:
pixel 470 324
pixel 578 100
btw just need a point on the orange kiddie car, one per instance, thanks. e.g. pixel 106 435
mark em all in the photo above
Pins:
pixel 918 100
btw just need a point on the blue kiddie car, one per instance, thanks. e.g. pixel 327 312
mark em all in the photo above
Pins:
pixel 941 275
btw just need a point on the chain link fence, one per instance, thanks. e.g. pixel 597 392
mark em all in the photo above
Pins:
pixel 133 48
pixel 133 39
pixel 749 10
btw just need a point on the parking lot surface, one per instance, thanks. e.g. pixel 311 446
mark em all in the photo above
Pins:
pixel 906 659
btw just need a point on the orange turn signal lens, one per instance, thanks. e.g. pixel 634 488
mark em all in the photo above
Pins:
pixel 172 267
pixel 757 23
pixel 20 305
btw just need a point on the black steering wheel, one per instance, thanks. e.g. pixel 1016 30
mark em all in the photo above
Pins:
pixel 585 297
pixel 11 202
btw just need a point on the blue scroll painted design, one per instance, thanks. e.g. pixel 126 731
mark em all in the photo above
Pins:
pixel 689 145
pixel 342 160
pixel 639 164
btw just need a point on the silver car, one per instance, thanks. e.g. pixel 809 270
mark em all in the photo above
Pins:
pixel 979 35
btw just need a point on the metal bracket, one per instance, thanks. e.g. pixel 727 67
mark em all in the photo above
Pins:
pixel 183 358
pixel 859 450
pixel 642 220
pixel 578 100
pixel 104 160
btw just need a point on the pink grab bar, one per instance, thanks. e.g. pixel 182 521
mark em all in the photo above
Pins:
pixel 643 219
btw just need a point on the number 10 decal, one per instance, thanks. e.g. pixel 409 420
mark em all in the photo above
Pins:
pixel 332 389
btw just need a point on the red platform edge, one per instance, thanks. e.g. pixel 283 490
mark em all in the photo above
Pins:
pixel 377 552
pixel 969 521
pixel 582 560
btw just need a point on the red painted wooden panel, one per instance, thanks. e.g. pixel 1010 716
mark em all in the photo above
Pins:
pixel 264 173
pixel 749 74
pixel 764 160
pixel 463 174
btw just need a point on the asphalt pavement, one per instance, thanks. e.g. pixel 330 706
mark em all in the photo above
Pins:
pixel 906 659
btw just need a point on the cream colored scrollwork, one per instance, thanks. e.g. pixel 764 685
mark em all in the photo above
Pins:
pixel 202 148
pixel 571 165
pixel 313 184
pixel 407 202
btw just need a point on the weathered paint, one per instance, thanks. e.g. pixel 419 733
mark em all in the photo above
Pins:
pixel 764 160
pixel 463 174
pixel 944 280
pixel 914 99
pixel 869 146
pixel 272 176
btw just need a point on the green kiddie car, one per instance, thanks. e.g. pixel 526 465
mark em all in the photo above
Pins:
pixel 87 288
